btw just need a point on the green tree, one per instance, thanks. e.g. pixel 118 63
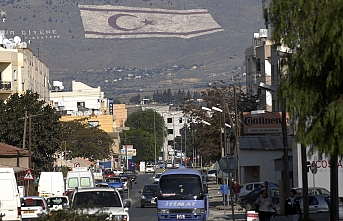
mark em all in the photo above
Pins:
pixel 142 141
pixel 146 120
pixel 46 132
pixel 312 87
pixel 86 141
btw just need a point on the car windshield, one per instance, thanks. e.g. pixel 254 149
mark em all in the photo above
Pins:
pixel 180 186
pixel 97 199
pixel 113 180
pixel 29 202
pixel 57 200
pixel 150 188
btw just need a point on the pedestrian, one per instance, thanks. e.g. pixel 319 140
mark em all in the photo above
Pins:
pixel 236 189
pixel 263 204
pixel 224 189
pixel 292 210
pixel 268 189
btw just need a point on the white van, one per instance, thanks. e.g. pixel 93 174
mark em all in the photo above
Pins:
pixel 51 184
pixel 79 177
pixel 10 206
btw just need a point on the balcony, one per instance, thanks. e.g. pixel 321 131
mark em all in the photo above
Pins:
pixel 5 85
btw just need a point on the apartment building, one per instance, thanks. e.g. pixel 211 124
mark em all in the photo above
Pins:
pixel 21 69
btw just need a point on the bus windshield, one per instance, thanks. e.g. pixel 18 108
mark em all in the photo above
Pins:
pixel 180 186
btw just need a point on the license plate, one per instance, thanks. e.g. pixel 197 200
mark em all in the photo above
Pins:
pixel 180 217
pixel 29 211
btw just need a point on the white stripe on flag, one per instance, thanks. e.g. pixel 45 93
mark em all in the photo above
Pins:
pixel 133 22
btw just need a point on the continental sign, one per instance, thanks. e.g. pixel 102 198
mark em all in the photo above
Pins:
pixel 266 123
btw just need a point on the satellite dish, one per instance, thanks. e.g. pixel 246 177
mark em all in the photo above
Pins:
pixel 5 41
pixel 17 39
pixel 23 44
pixel 9 45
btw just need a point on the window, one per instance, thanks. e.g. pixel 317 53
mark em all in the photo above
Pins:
pixel 180 120
pixel 258 65
pixel 85 182
pixel 14 75
pixel 248 186
pixel 80 104
pixel 170 131
pixel 73 182
pixel 170 142
pixel 169 120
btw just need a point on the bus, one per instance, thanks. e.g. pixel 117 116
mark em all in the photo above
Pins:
pixel 182 195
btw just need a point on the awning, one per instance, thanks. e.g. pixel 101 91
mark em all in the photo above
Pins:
pixel 263 142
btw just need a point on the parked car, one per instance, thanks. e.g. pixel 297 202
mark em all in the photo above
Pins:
pixel 313 191
pixel 33 207
pixel 211 175
pixel 157 177
pixel 101 184
pixel 148 195
pixel 127 184
pixel 57 202
pixel 247 201
pixel 149 169
pixel 317 204
pixel 248 187
pixel 105 200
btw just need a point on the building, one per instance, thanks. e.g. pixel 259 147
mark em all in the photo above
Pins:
pixel 17 158
pixel 21 70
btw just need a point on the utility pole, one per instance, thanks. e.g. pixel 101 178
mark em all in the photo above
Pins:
pixel 30 141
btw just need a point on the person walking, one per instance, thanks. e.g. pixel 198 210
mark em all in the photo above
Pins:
pixel 224 189
pixel 236 189
pixel 263 204
pixel 292 210
pixel 268 189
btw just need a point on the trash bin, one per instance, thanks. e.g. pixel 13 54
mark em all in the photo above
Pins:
pixel 252 216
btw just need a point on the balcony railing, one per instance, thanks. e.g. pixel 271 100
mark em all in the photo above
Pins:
pixel 5 85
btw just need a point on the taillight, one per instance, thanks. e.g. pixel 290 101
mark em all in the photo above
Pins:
pixel 19 211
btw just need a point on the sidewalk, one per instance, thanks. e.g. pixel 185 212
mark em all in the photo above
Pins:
pixel 219 212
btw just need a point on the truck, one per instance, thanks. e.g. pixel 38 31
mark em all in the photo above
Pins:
pixel 182 194
pixel 98 175
pixel 319 172
pixel 51 184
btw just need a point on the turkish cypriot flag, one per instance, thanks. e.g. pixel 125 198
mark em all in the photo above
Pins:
pixel 133 22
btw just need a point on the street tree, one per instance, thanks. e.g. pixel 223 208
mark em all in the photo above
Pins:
pixel 46 132
pixel 151 122
pixel 312 87
pixel 86 141
pixel 142 141
pixel 225 97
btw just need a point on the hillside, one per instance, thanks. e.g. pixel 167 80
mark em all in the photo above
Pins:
pixel 56 34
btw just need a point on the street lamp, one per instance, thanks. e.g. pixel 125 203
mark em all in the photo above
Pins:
pixel 285 147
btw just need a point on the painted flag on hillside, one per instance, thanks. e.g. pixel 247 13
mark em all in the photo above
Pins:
pixel 133 22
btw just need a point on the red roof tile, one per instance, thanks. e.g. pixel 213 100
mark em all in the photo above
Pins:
pixel 9 150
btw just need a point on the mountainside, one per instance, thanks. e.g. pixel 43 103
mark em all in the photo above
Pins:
pixel 57 35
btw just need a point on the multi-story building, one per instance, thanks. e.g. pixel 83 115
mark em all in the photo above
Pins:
pixel 21 70
pixel 258 59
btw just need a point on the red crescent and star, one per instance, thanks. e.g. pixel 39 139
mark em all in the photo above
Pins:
pixel 112 21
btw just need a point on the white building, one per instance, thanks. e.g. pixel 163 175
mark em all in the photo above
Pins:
pixel 81 101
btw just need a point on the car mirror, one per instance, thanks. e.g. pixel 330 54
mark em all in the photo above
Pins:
pixel 139 191
pixel 127 203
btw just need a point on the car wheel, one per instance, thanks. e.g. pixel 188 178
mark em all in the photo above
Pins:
pixel 142 206
pixel 248 206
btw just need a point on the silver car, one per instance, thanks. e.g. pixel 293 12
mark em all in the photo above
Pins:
pixel 317 204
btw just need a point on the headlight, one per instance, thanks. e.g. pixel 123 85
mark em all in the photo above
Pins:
pixel 120 218
pixel 198 210
pixel 163 211
pixel 143 197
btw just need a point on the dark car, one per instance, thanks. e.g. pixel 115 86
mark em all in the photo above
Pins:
pixel 130 173
pixel 248 201
pixel 148 195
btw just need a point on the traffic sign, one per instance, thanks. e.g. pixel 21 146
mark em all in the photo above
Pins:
pixel 76 164
pixel 314 167
pixel 28 175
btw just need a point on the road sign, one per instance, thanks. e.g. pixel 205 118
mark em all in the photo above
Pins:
pixel 314 167
pixel 130 152
pixel 76 164
pixel 28 175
